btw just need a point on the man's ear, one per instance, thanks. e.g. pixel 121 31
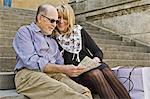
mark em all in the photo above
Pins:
pixel 39 19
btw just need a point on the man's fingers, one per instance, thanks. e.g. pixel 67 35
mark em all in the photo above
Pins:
pixel 81 67
pixel 77 72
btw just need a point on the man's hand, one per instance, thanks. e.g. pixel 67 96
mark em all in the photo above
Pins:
pixel 72 70
pixel 69 70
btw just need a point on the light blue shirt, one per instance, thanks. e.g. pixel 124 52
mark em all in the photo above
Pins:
pixel 34 50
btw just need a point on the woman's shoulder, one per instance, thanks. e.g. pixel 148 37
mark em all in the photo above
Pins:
pixel 77 26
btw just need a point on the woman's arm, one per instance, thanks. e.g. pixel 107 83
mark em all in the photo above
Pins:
pixel 91 45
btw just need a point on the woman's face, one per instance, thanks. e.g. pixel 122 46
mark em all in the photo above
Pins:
pixel 62 25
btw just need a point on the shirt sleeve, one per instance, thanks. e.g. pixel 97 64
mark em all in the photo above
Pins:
pixel 60 59
pixel 91 45
pixel 25 50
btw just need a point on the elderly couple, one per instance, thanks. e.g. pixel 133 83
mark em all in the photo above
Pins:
pixel 43 72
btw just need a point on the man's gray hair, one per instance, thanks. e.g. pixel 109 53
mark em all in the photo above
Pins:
pixel 42 9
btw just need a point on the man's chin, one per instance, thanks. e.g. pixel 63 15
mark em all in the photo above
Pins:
pixel 48 33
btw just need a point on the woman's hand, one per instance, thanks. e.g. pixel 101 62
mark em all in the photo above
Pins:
pixel 96 59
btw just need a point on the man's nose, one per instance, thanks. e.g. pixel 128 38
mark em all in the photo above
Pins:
pixel 53 24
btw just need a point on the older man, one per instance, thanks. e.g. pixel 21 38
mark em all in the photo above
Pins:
pixel 40 73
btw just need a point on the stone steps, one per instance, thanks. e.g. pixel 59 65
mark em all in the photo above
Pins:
pixel 21 18
pixel 94 30
pixel 7 80
pixel 109 47
pixel 7 50
pixel 14 24
pixel 7 33
pixel 99 36
pixel 16 17
pixel 91 28
pixel 119 62
pixel 102 32
pixel 108 54
pixel 10 94
pixel 15 11
pixel 10 63
pixel 7 64
pixel 107 32
pixel 8 41
pixel 5 29
pixel 126 55
pixel 9 28
pixel 113 42
pixel 87 26
pixel 104 40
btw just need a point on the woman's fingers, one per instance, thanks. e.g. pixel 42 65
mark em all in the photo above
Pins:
pixel 96 59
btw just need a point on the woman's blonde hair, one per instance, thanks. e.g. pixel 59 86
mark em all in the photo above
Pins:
pixel 68 13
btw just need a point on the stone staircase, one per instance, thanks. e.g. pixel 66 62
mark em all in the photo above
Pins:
pixel 10 20
pixel 117 50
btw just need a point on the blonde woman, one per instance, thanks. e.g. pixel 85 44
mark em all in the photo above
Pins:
pixel 76 43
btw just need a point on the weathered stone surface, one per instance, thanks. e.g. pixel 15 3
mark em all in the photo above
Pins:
pixel 89 5
pixel 10 94
pixel 93 4
pixel 134 25
pixel 131 19
pixel 7 80
pixel 120 11
pixel 7 64
pixel 28 4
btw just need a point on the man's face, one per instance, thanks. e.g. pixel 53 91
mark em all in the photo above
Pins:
pixel 47 23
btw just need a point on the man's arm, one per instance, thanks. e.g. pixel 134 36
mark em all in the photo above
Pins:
pixel 25 50
pixel 69 70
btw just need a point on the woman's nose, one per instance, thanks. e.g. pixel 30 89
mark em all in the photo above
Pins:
pixel 61 21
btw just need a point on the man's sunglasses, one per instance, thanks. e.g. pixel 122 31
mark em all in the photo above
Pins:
pixel 50 20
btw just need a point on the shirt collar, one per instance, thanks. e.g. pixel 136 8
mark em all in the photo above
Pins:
pixel 34 27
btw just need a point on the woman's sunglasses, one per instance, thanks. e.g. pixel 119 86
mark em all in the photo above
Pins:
pixel 50 20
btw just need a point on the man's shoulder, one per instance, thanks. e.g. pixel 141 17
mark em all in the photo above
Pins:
pixel 31 26
pixel 24 28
